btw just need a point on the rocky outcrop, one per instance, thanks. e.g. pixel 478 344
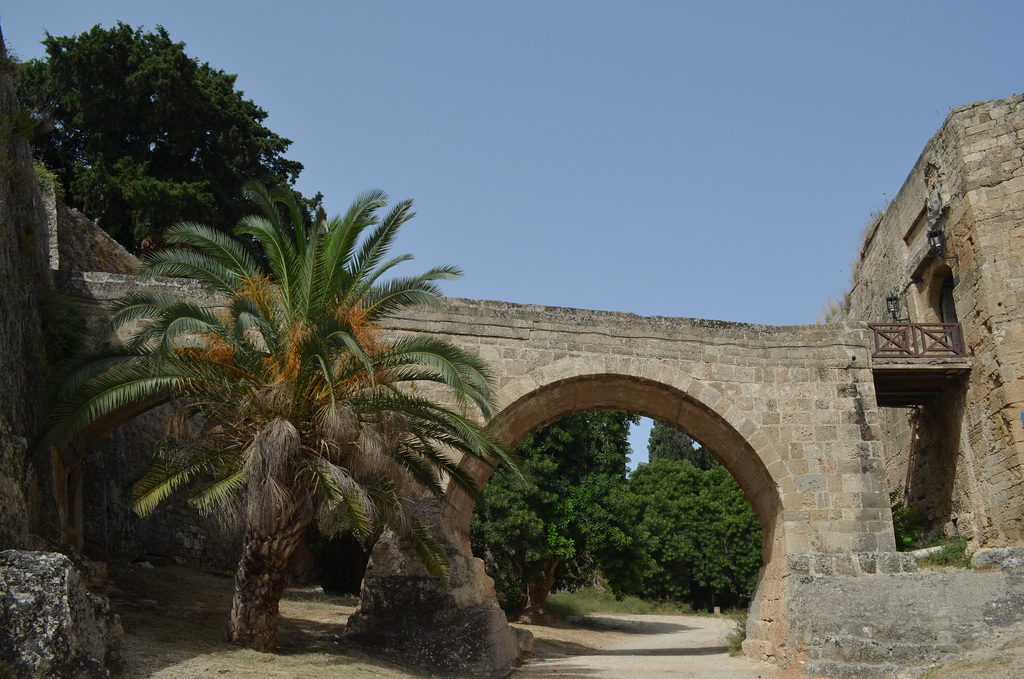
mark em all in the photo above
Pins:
pixel 407 615
pixel 51 625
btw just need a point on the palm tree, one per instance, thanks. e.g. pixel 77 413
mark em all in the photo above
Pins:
pixel 292 404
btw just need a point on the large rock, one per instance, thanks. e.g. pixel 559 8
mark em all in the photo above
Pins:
pixel 51 626
pixel 407 616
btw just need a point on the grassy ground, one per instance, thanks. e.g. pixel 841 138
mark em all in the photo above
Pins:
pixel 588 601
pixel 952 555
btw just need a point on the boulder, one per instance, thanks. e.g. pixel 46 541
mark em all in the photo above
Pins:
pixel 408 616
pixel 51 625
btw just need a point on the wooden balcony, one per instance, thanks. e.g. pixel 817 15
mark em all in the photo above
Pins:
pixel 912 363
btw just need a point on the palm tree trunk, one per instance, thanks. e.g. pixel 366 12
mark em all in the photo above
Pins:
pixel 261 578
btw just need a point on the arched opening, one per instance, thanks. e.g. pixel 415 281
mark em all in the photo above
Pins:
pixel 595 393
pixel 947 306
pixel 551 402
pixel 578 524
pixel 935 298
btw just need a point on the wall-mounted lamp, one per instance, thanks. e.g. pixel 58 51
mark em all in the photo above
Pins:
pixel 892 305
pixel 937 244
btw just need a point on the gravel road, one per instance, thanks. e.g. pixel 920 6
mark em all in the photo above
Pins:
pixel 640 646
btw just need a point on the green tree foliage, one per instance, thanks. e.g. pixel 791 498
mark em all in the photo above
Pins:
pixel 568 520
pixel 706 540
pixel 293 405
pixel 142 136
pixel 666 443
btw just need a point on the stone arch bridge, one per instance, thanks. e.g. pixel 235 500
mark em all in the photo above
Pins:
pixel 790 411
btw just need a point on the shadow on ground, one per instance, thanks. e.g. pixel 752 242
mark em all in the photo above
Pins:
pixel 598 622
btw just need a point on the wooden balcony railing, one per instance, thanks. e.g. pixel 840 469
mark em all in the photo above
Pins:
pixel 917 340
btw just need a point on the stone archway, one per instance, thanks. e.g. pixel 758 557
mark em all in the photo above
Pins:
pixel 611 392
pixel 533 410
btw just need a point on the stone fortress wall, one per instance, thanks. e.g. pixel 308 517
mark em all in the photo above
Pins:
pixel 960 457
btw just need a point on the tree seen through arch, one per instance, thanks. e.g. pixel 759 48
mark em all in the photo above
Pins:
pixel 677 528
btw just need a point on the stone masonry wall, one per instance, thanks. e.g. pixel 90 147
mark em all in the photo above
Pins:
pixel 77 244
pixel 105 523
pixel 960 457
pixel 877 626
pixel 175 532
pixel 24 283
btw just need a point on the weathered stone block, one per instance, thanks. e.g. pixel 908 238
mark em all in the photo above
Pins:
pixel 52 627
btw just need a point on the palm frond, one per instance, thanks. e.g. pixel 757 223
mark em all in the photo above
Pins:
pixel 104 394
pixel 220 246
pixel 464 373
pixel 430 551
pixel 221 491
pixel 279 249
pixel 379 242
pixel 181 263
pixel 160 482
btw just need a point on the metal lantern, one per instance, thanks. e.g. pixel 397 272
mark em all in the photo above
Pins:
pixel 892 305
pixel 936 242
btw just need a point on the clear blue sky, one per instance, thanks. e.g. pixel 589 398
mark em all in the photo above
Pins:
pixel 713 160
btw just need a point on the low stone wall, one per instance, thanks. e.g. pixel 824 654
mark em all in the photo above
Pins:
pixel 878 625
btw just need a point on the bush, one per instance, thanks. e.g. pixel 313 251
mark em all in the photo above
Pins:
pixel 907 523
pixel 738 634
pixel 953 555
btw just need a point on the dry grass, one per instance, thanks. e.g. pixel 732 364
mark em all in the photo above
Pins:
pixel 592 600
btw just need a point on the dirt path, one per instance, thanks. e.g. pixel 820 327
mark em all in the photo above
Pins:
pixel 174 621
pixel 639 646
